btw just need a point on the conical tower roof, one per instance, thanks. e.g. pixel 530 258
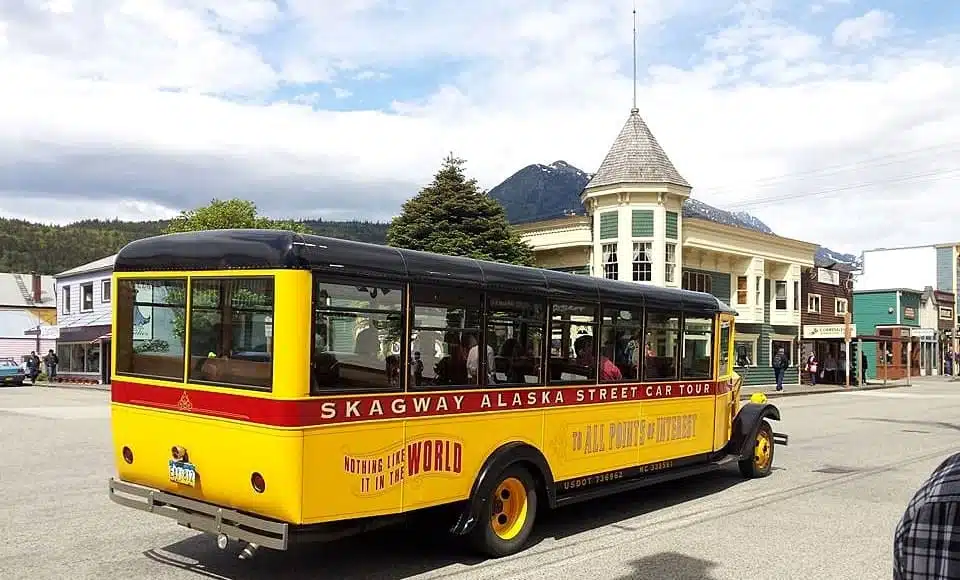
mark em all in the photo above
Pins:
pixel 636 157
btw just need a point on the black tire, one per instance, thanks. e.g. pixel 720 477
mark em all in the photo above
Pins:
pixel 752 467
pixel 485 538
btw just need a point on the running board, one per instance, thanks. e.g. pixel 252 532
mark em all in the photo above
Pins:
pixel 646 481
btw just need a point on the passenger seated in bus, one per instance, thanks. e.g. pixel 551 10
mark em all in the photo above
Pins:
pixel 452 368
pixel 584 347
pixel 473 357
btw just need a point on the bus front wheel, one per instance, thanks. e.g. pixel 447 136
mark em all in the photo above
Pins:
pixel 760 462
pixel 508 516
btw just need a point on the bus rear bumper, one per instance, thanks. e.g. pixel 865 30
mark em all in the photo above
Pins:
pixel 201 516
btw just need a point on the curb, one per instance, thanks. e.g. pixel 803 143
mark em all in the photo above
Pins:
pixel 776 395
pixel 75 387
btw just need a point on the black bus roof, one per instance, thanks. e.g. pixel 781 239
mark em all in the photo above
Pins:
pixel 280 249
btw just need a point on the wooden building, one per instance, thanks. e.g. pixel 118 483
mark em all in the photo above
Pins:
pixel 889 313
pixel 826 296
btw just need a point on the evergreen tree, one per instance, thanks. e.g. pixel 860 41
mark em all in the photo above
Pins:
pixel 453 216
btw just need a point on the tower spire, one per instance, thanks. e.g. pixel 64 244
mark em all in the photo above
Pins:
pixel 634 109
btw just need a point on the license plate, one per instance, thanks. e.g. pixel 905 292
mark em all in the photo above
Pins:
pixel 183 473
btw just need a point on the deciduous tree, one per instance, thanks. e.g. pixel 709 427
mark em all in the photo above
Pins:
pixel 229 214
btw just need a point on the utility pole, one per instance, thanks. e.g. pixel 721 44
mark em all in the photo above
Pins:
pixel 953 337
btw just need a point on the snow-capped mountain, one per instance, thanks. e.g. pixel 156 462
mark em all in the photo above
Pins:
pixel 539 192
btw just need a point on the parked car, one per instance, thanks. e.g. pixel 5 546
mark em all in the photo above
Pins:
pixel 11 373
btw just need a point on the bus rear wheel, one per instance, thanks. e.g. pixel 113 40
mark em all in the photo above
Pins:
pixel 760 462
pixel 509 514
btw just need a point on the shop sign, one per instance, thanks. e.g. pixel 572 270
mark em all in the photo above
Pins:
pixel 827 330
pixel 924 333
pixel 909 313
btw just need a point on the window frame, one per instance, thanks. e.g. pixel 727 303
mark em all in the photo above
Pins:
pixel 819 300
pixel 696 281
pixel 726 358
pixel 669 265
pixel 606 264
pixel 837 301
pixel 83 288
pixel 677 355
pixel 635 264
pixel 189 332
pixel 743 294
pixel 182 378
pixel 409 310
pixel 65 299
pixel 714 337
pixel 792 352
pixel 405 311
pixel 544 353
pixel 777 284
pixel 548 341
pixel 753 340
pixel 106 286
pixel 604 306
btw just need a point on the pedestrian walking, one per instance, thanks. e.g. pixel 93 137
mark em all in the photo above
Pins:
pixel 51 360
pixel 925 545
pixel 780 364
pixel 812 365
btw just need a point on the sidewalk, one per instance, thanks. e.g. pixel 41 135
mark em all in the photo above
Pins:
pixel 76 386
pixel 790 390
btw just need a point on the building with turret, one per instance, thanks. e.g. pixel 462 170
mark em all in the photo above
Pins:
pixel 634 230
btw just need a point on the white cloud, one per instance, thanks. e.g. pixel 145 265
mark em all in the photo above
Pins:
pixel 864 30
pixel 117 103
pixel 341 93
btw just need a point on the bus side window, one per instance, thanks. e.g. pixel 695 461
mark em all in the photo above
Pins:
pixel 573 330
pixel 725 336
pixel 662 346
pixel 231 331
pixel 357 331
pixel 621 348
pixel 697 348
pixel 445 337
pixel 514 337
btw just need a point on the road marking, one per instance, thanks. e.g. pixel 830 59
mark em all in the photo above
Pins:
pixel 70 412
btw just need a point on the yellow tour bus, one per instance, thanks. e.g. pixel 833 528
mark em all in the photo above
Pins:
pixel 270 388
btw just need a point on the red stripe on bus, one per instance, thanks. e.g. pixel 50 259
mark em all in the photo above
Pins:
pixel 327 410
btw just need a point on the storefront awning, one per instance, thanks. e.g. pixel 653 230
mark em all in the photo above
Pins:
pixel 83 333
pixel 101 337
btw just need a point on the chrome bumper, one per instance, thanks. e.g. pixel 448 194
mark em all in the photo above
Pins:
pixel 201 516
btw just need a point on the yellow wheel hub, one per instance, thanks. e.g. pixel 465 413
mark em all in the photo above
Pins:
pixel 509 509
pixel 763 452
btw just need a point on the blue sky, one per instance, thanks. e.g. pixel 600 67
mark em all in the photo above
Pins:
pixel 344 110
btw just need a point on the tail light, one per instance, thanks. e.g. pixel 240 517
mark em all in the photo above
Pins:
pixel 127 454
pixel 258 483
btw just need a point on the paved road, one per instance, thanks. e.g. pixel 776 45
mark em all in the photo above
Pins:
pixel 828 511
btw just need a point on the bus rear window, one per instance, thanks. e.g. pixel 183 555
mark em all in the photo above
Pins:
pixel 150 327
pixel 231 331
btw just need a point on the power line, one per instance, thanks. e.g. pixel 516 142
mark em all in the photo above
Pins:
pixel 930 176
pixel 893 159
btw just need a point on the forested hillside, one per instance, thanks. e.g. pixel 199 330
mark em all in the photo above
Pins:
pixel 29 247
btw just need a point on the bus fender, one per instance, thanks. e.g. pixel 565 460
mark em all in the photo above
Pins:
pixel 745 427
pixel 504 456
